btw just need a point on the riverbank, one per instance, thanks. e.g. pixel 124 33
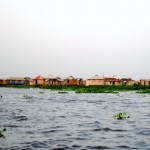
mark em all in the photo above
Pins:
pixel 91 89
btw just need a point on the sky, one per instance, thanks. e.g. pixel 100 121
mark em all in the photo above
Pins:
pixel 75 37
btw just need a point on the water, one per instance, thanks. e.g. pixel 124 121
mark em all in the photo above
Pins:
pixel 73 121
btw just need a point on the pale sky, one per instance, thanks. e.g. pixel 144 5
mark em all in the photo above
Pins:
pixel 75 37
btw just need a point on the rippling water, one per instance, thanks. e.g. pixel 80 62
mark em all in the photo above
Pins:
pixel 73 121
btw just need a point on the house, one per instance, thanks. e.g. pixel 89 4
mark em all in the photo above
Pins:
pixel 2 82
pixel 132 82
pixel 70 81
pixel 128 81
pixel 39 80
pixel 112 81
pixel 17 81
pixel 145 82
pixel 94 80
pixel 53 81
pixel 125 80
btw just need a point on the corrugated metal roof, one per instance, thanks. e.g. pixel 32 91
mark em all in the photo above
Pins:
pixel 3 79
pixel 95 77
pixel 39 77
pixel 51 77
pixel 112 79
pixel 61 80
pixel 144 79
pixel 71 78
pixel 16 78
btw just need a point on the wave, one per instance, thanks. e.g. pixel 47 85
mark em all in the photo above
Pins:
pixel 108 129
pixel 20 118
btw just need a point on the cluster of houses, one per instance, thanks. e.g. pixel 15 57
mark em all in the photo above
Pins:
pixel 51 80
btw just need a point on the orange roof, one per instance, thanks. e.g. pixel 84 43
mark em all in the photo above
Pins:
pixel 38 78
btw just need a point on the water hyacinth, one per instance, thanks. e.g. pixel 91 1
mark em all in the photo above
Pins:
pixel 2 134
pixel 62 92
pixel 91 89
pixel 121 116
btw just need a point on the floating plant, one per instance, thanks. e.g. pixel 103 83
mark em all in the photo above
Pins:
pixel 121 116
pixel 63 92
pixel 2 134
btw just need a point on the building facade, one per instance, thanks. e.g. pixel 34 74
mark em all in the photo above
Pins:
pixel 17 81
pixel 70 81
pixel 112 81
pixel 94 81
pixel 145 82
pixel 38 80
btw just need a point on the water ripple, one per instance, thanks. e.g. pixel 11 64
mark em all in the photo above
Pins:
pixel 73 121
pixel 108 129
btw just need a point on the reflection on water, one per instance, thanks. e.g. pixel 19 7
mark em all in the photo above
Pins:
pixel 52 120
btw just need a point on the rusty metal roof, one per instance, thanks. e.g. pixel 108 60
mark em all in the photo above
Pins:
pixel 39 77
pixel 112 79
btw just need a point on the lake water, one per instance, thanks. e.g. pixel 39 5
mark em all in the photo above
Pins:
pixel 50 120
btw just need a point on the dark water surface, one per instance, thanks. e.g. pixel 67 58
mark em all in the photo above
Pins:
pixel 73 121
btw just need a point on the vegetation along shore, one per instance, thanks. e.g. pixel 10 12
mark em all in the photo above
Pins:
pixel 90 89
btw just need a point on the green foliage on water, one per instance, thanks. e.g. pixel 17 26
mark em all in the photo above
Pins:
pixel 146 91
pixel 17 86
pixel 121 116
pixel 99 89
pixel 62 92
pixel 2 133
pixel 92 89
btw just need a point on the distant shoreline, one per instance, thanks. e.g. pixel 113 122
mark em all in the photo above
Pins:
pixel 90 89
